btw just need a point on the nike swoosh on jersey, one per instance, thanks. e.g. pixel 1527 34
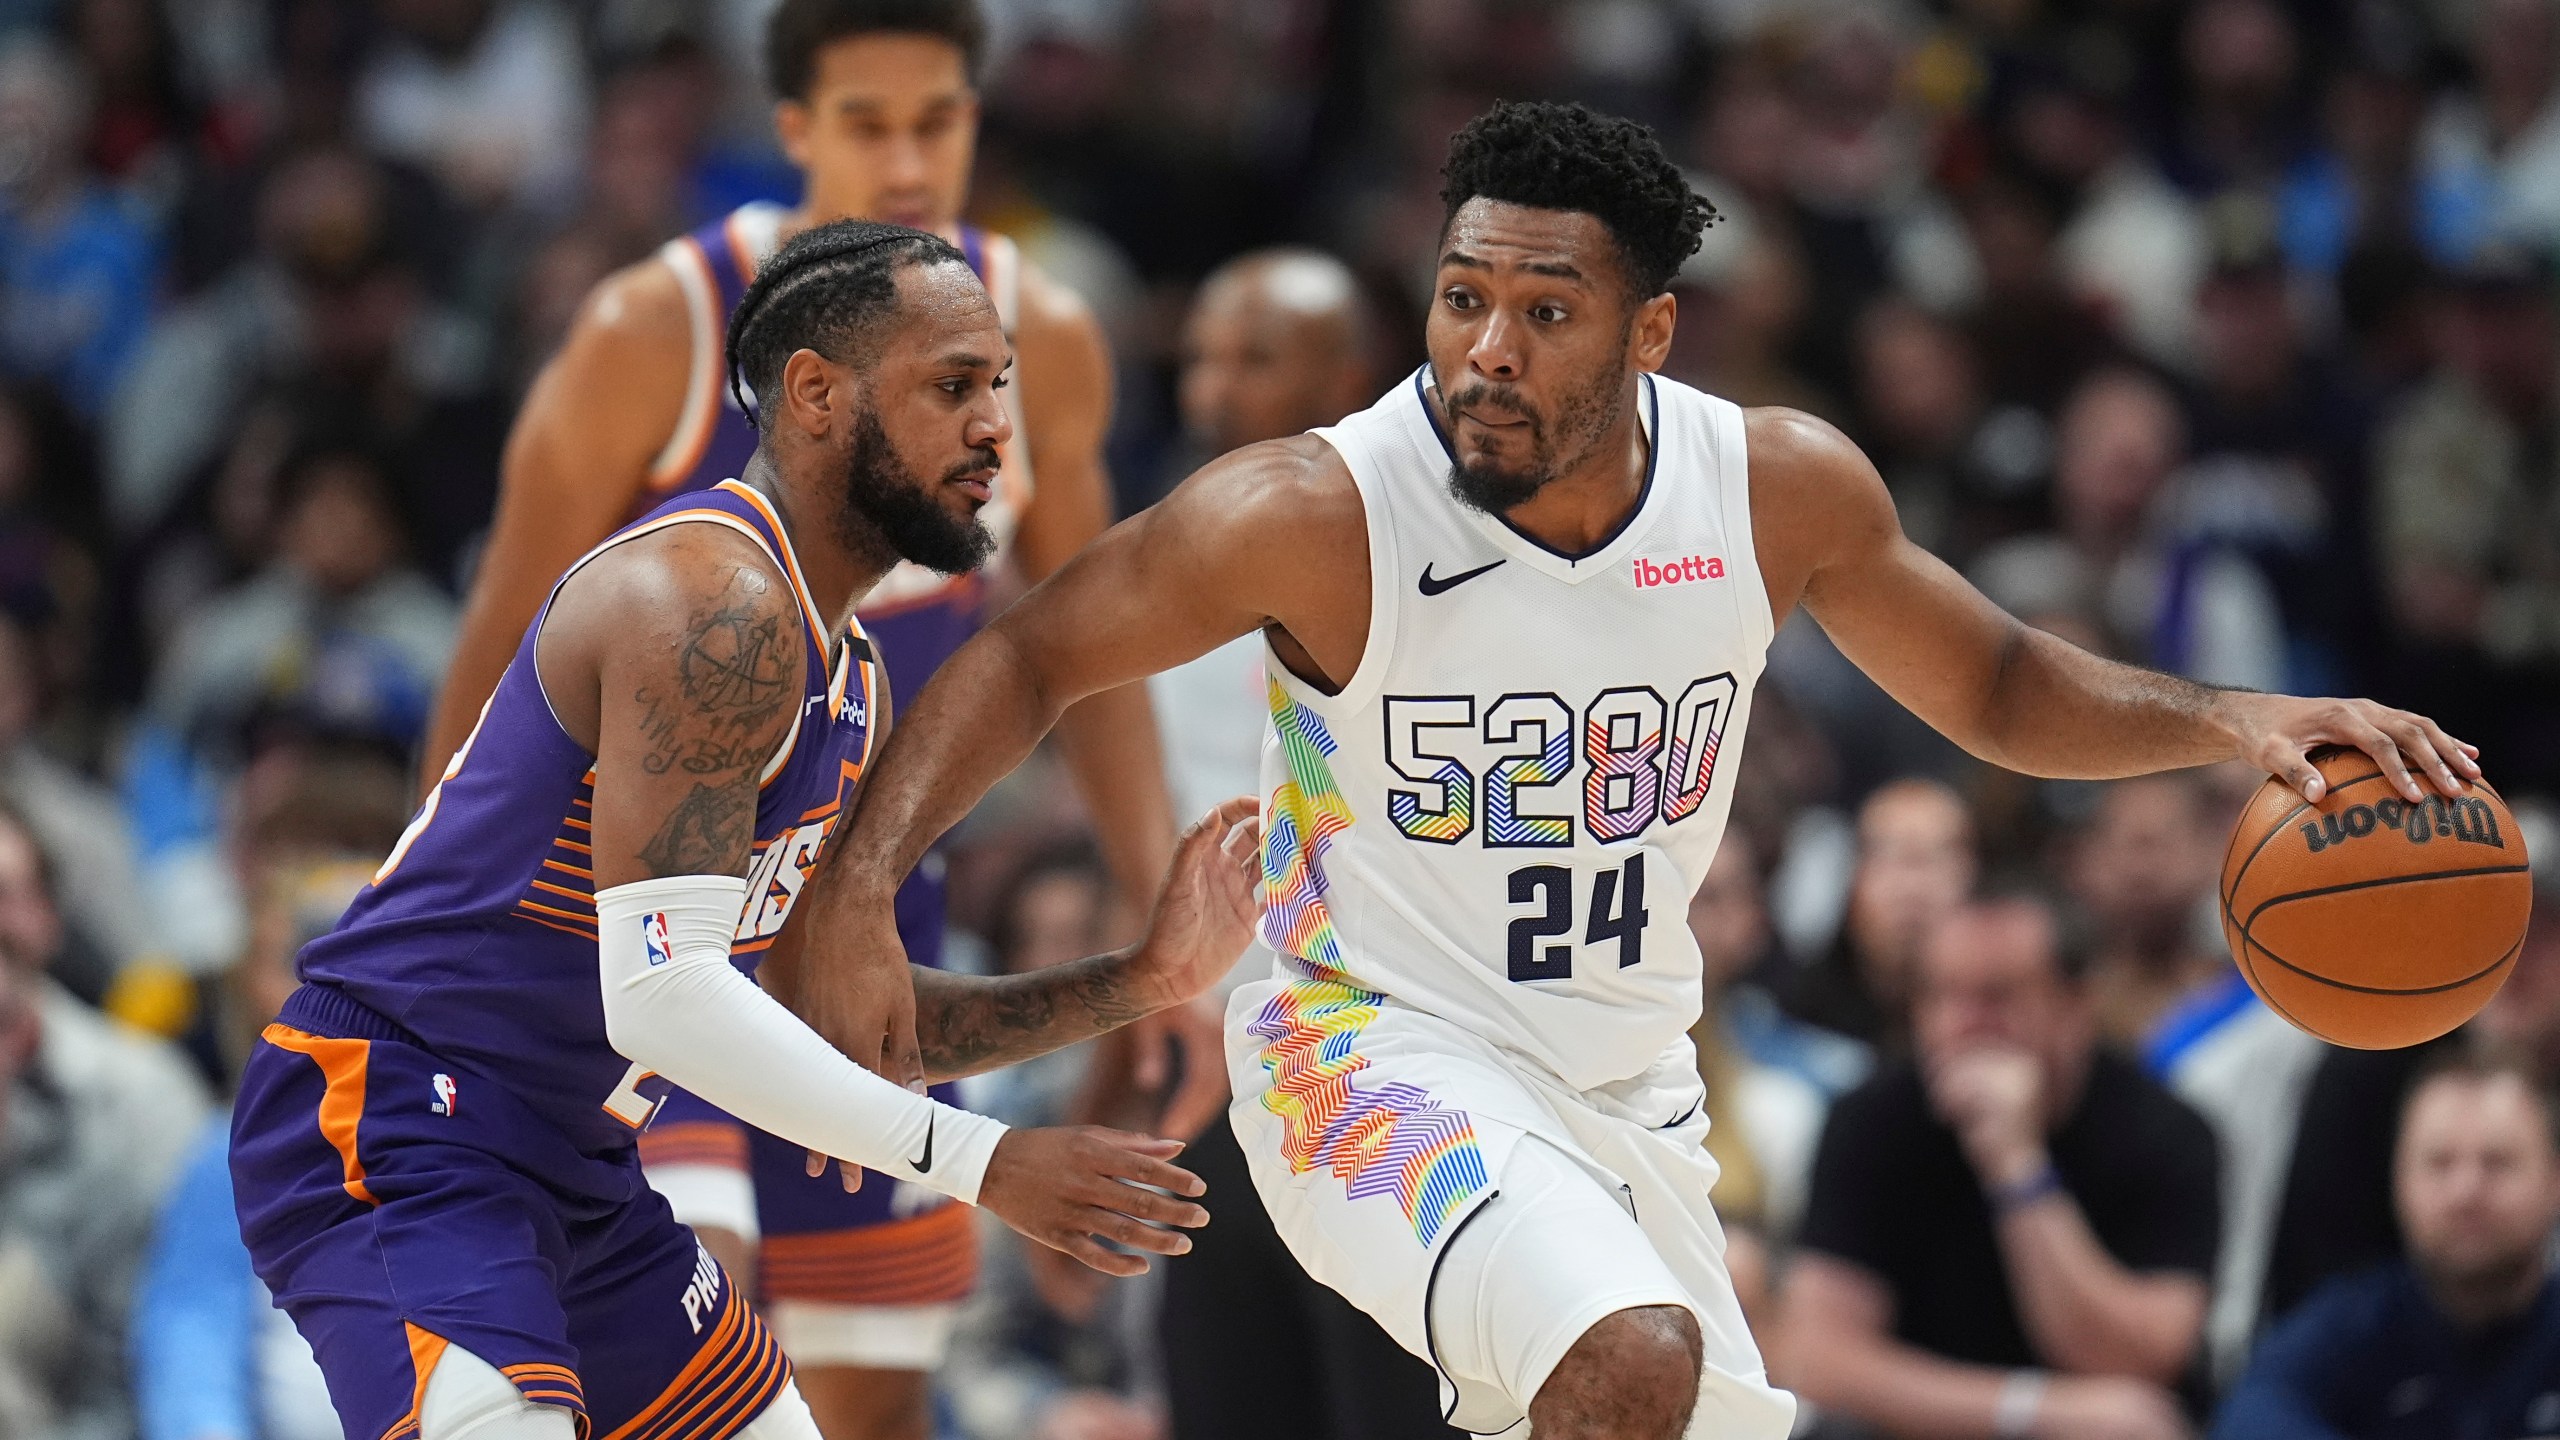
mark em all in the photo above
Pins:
pixel 1442 585
pixel 924 1162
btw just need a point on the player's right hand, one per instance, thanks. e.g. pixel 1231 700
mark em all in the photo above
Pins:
pixel 1070 1187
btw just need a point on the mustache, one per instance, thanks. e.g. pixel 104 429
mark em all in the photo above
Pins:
pixel 1507 397
pixel 982 458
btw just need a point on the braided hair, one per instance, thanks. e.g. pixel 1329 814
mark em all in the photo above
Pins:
pixel 1570 157
pixel 827 290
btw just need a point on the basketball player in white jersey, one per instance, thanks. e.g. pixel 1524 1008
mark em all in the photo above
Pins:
pixel 1515 611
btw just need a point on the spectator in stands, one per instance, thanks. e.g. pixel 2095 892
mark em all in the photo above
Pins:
pixel 336 633
pixel 2463 1337
pixel 2523 1018
pixel 94 1121
pixel 2143 870
pixel 76 268
pixel 1962 473
pixel 1046 1351
pixel 2492 152
pixel 1769 1079
pixel 75 818
pixel 214 1359
pixel 2276 475
pixel 1916 862
pixel 2468 515
pixel 489 94
pixel 2013 1233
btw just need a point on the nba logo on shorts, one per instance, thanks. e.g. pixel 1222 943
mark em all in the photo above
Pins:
pixel 445 1103
pixel 653 933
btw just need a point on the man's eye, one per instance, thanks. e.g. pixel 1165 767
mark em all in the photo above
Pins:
pixel 1004 382
pixel 1547 314
pixel 1460 300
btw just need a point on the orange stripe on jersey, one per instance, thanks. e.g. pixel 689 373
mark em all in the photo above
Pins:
pixel 925 1260
pixel 565 843
pixel 578 870
pixel 790 561
pixel 568 915
pixel 342 1067
pixel 579 825
pixel 563 929
pixel 695 1142
pixel 586 896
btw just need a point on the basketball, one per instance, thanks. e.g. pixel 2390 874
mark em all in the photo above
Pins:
pixel 2366 920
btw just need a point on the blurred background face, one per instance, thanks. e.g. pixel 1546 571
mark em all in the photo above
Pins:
pixel 2118 440
pixel 2525 1013
pixel 2147 860
pixel 1056 915
pixel 2477 1183
pixel 30 927
pixel 1915 864
pixel 1272 348
pixel 886 131
pixel 1727 915
pixel 339 530
pixel 1988 979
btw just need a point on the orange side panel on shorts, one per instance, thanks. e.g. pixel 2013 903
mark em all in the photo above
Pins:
pixel 425 1350
pixel 695 1142
pixel 924 1261
pixel 341 1065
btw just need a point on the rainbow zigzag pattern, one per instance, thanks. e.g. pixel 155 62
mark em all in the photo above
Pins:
pixel 1305 816
pixel 1391 1140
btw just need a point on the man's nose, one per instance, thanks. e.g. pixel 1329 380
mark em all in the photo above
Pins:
pixel 1496 353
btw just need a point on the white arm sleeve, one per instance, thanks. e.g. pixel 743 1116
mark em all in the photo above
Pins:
pixel 674 1003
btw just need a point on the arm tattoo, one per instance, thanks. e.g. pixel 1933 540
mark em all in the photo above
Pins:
pixel 718 718
pixel 708 833
pixel 966 1024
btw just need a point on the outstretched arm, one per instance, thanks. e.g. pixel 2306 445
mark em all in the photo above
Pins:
pixel 1234 548
pixel 1827 536
pixel 1202 921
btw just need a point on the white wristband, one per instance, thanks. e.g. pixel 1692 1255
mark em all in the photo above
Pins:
pixel 2021 1396
pixel 674 1003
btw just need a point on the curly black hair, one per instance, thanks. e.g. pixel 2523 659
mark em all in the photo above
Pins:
pixel 1570 157
pixel 824 291
pixel 799 29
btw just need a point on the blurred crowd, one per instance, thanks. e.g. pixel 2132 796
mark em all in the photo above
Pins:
pixel 2215 335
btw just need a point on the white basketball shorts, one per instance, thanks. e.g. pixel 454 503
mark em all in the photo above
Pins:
pixel 1482 1212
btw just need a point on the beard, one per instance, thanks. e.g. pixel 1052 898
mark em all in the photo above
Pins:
pixel 1557 443
pixel 884 504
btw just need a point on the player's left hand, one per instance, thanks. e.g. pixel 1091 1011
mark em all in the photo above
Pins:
pixel 1206 913
pixel 2279 732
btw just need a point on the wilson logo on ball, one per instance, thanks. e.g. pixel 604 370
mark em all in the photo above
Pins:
pixel 2470 821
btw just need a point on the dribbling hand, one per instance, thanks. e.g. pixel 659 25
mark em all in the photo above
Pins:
pixel 1068 1185
pixel 2278 733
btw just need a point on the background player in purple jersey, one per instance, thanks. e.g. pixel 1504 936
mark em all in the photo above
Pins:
pixel 433 1151
pixel 875 102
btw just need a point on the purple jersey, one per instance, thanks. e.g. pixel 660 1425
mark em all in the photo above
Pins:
pixel 917 618
pixel 478 934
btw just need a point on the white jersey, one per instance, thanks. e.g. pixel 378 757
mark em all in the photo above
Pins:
pixel 1501 818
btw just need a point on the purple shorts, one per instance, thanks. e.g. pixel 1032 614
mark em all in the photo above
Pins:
pixel 888 1243
pixel 397 1203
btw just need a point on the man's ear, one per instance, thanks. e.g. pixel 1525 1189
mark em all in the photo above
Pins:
pixel 810 390
pixel 1655 319
pixel 791 122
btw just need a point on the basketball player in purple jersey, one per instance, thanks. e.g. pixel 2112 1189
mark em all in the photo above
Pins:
pixel 434 1150
pixel 875 105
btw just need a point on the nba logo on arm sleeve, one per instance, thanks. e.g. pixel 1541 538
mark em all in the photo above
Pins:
pixel 653 934
pixel 448 1096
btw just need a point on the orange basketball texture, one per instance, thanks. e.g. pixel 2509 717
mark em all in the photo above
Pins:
pixel 2366 920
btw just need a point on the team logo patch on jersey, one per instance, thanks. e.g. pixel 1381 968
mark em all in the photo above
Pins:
pixel 447 1101
pixel 1654 572
pixel 653 934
